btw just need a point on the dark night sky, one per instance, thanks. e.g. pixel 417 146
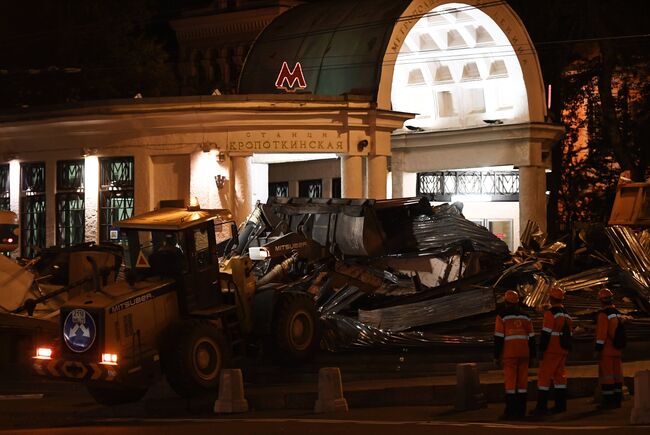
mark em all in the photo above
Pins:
pixel 30 30
pixel 92 34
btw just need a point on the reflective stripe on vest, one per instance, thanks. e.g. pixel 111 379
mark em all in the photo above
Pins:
pixel 517 337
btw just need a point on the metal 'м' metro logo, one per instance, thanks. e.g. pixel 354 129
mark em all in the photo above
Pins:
pixel 287 79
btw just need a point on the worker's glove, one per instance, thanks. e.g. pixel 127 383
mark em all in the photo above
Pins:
pixel 497 362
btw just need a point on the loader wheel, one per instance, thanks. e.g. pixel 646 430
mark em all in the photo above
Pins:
pixel 296 327
pixel 116 396
pixel 198 351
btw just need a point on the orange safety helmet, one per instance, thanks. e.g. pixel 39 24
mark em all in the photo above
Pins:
pixel 556 292
pixel 605 294
pixel 512 297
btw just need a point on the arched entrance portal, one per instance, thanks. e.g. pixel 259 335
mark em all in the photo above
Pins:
pixel 470 74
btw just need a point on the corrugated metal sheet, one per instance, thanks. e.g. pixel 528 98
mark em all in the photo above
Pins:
pixel 439 310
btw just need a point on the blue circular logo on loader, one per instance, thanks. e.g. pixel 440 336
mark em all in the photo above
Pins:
pixel 79 330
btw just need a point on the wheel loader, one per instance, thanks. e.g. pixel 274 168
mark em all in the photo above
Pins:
pixel 188 305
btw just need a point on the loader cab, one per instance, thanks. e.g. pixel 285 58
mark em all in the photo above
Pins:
pixel 176 244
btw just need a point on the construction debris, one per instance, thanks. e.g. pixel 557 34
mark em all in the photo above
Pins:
pixel 438 310
pixel 400 273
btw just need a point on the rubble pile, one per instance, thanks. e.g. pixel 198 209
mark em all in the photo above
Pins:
pixel 403 274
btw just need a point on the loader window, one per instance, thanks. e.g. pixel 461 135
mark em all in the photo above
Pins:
pixel 226 237
pixel 202 246
pixel 156 252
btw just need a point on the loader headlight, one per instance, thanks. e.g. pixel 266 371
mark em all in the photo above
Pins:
pixel 109 359
pixel 43 353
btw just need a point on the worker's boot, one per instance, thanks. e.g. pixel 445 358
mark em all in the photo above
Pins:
pixel 541 410
pixel 560 401
pixel 522 404
pixel 510 412
pixel 617 399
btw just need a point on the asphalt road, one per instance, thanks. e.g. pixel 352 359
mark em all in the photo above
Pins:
pixel 75 414
pixel 327 427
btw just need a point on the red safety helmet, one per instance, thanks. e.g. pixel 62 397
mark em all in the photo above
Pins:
pixel 556 292
pixel 512 297
pixel 605 294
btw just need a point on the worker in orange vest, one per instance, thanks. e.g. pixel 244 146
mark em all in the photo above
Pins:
pixel 608 351
pixel 514 346
pixel 555 342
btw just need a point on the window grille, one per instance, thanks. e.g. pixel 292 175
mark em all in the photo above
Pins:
pixel 32 208
pixel 70 203
pixel 279 189
pixel 441 186
pixel 311 188
pixel 4 187
pixel 116 193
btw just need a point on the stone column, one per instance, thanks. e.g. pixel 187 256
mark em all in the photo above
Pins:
pixel 532 196
pixel 91 198
pixel 377 176
pixel 351 176
pixel 327 187
pixel 143 192
pixel 241 176
pixel 50 202
pixel 397 174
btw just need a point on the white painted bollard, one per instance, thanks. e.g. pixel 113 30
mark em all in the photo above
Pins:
pixel 468 388
pixel 641 410
pixel 231 393
pixel 330 391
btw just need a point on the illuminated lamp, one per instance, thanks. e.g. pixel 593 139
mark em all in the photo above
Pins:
pixel 43 353
pixel 194 204
pixel 109 359
pixel 87 152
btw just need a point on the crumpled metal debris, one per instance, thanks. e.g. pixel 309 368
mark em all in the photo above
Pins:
pixel 430 312
pixel 344 332
pixel 589 279
pixel 632 259
pixel 532 236
pixel 403 274
pixel 536 294
pixel 446 231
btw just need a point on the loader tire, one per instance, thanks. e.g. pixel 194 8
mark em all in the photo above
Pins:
pixel 296 328
pixel 197 352
pixel 116 396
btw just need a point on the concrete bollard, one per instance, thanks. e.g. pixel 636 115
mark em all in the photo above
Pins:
pixel 468 388
pixel 231 393
pixel 641 410
pixel 330 391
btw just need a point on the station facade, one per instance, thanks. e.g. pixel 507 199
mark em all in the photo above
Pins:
pixel 385 99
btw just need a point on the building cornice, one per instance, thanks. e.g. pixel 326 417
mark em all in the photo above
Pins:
pixel 546 133
pixel 267 102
